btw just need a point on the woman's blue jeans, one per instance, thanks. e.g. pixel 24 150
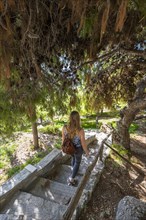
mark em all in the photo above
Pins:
pixel 76 160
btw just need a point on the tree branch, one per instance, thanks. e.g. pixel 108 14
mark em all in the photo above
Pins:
pixel 96 59
pixel 133 52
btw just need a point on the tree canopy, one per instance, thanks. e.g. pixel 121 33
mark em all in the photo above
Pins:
pixel 40 31
pixel 58 44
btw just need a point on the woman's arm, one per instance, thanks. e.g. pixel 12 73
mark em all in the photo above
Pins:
pixel 83 142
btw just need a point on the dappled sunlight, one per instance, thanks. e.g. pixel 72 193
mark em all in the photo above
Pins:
pixel 90 132
pixel 138 145
pixel 36 211
pixel 50 194
pixel 7 186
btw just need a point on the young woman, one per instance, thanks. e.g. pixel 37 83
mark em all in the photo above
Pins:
pixel 77 134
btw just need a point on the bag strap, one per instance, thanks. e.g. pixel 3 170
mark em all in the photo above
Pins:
pixel 66 134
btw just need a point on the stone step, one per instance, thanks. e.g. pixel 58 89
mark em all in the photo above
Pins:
pixel 62 174
pixel 32 207
pixel 26 176
pixel 12 217
pixel 53 191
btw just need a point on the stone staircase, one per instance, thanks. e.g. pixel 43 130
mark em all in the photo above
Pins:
pixel 41 192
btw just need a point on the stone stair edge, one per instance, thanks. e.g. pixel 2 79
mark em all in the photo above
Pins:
pixel 25 202
pixel 27 172
pixel 80 188
pixel 53 191
pixel 91 183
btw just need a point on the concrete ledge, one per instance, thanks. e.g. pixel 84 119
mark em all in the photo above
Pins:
pixel 90 139
pixel 92 182
pixel 15 183
pixel 16 180
pixel 48 162
pixel 26 176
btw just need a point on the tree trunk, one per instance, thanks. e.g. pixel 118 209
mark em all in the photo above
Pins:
pixel 129 113
pixel 32 115
pixel 35 135
pixel 124 135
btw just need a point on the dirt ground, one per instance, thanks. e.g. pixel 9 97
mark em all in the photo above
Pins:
pixel 117 181
pixel 26 151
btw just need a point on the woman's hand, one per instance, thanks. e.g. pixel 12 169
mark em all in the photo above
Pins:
pixel 87 152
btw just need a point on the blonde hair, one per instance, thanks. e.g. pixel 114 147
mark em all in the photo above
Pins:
pixel 74 123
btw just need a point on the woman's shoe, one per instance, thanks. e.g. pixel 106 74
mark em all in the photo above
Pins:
pixel 71 181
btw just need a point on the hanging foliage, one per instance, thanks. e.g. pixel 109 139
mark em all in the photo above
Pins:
pixel 32 32
pixel 46 42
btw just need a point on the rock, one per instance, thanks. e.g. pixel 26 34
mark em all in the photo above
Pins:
pixel 130 208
